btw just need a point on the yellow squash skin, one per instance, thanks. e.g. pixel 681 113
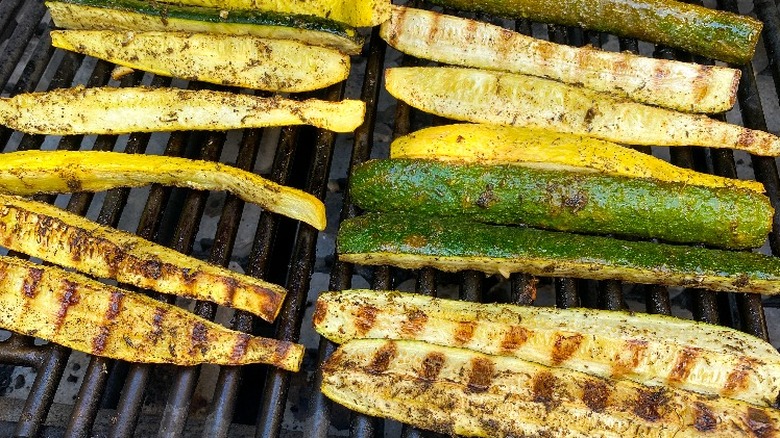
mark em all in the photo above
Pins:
pixel 95 318
pixel 482 96
pixel 453 40
pixel 647 349
pixel 236 60
pixel 57 236
pixel 462 392
pixel 541 148
pixel 107 110
pixel 32 172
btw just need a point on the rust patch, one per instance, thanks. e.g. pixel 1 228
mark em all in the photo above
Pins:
pixel 759 423
pixel 543 389
pixel 415 322
pixel 684 364
pixel 595 395
pixel 69 298
pixel 199 337
pixel 704 420
pixel 381 360
pixel 320 310
pixel 480 375
pixel 629 357
pixel 650 404
pixel 365 318
pixel 431 366
pixel 239 348
pixel 31 281
pixel 514 338
pixel 565 347
pixel 464 332
pixel 737 379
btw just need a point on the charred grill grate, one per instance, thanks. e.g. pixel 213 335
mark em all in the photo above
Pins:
pixel 284 252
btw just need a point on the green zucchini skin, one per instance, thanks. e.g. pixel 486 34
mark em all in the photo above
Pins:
pixel 413 242
pixel 716 34
pixel 566 201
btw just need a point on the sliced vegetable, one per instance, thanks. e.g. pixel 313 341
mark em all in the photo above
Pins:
pixel 95 318
pixel 565 201
pixel 107 110
pixel 459 41
pixel 358 13
pixel 544 149
pixel 462 392
pixel 647 349
pixel 139 15
pixel 56 236
pixel 513 99
pixel 715 34
pixel 413 242
pixel 237 60
pixel 33 172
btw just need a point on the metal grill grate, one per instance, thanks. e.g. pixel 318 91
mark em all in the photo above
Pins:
pixel 113 398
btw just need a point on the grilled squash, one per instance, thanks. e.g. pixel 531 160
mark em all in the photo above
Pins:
pixel 236 60
pixel 107 110
pixel 32 172
pixel 92 317
pixel 461 392
pixel 647 349
pixel 54 235
pixel 544 149
pixel 413 242
pixel 519 100
pixel 140 15
pixel 458 41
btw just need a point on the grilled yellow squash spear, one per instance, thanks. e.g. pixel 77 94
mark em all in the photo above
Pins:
pixel 519 100
pixel 107 110
pixel 237 60
pixel 54 235
pixel 648 349
pixel 92 317
pixel 459 41
pixel 32 172
pixel 462 392
pixel 541 148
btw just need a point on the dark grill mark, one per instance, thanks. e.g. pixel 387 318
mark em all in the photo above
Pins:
pixel 78 243
pixel 320 310
pixel 157 320
pixel 480 375
pixel 415 322
pixel 365 318
pixel 544 386
pixel 738 378
pixel 114 305
pixel 564 347
pixel 68 298
pixel 150 268
pixel 704 420
pixel 595 395
pixel 30 285
pixel 759 423
pixel 199 337
pixel 381 360
pixel 433 29
pixel 464 332
pixel 629 357
pixel 431 366
pixel 514 338
pixel 99 343
pixel 282 350
pixel 230 289
pixel 650 403
pixel 684 364
pixel 239 348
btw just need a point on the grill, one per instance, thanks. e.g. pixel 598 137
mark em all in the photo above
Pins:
pixel 120 399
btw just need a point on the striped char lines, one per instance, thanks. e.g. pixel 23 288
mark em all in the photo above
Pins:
pixel 629 357
pixel 69 297
pixel 464 332
pixel 113 310
pixel 565 347
pixel 414 323
pixel 684 364
pixel 31 281
pixel 514 338
pixel 738 378
pixel 365 318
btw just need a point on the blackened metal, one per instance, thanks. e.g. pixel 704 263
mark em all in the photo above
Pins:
pixel 29 22
pixel 471 286
pixel 7 11
pixel 523 289
pixel 767 12
pixel 566 294
pixel 611 295
pixel 657 299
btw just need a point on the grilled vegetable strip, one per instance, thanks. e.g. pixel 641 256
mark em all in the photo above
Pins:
pixel 512 99
pixel 236 60
pixel 461 392
pixel 95 318
pixel 106 110
pixel 140 15
pixel 697 29
pixel 539 148
pixel 647 349
pixel 56 236
pixel 32 172
pixel 459 41
pixel 413 242
pixel 358 13
pixel 565 201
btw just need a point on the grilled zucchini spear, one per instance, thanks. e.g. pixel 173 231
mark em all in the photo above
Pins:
pixel 236 60
pixel 461 392
pixel 545 149
pixel 453 40
pixel 647 349
pixel 95 318
pixel 519 100
pixel 107 110
pixel 32 172
pixel 54 235
pixel 413 242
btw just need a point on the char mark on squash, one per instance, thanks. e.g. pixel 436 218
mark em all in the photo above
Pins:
pixel 704 420
pixel 650 404
pixel 382 358
pixel 239 348
pixel 365 318
pixel 686 359
pixel 514 338
pixel 544 388
pixel 415 322
pixel 464 331
pixel 69 297
pixel 564 347
pixel 595 395
pixel 480 375
pixel 31 281
pixel 431 366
